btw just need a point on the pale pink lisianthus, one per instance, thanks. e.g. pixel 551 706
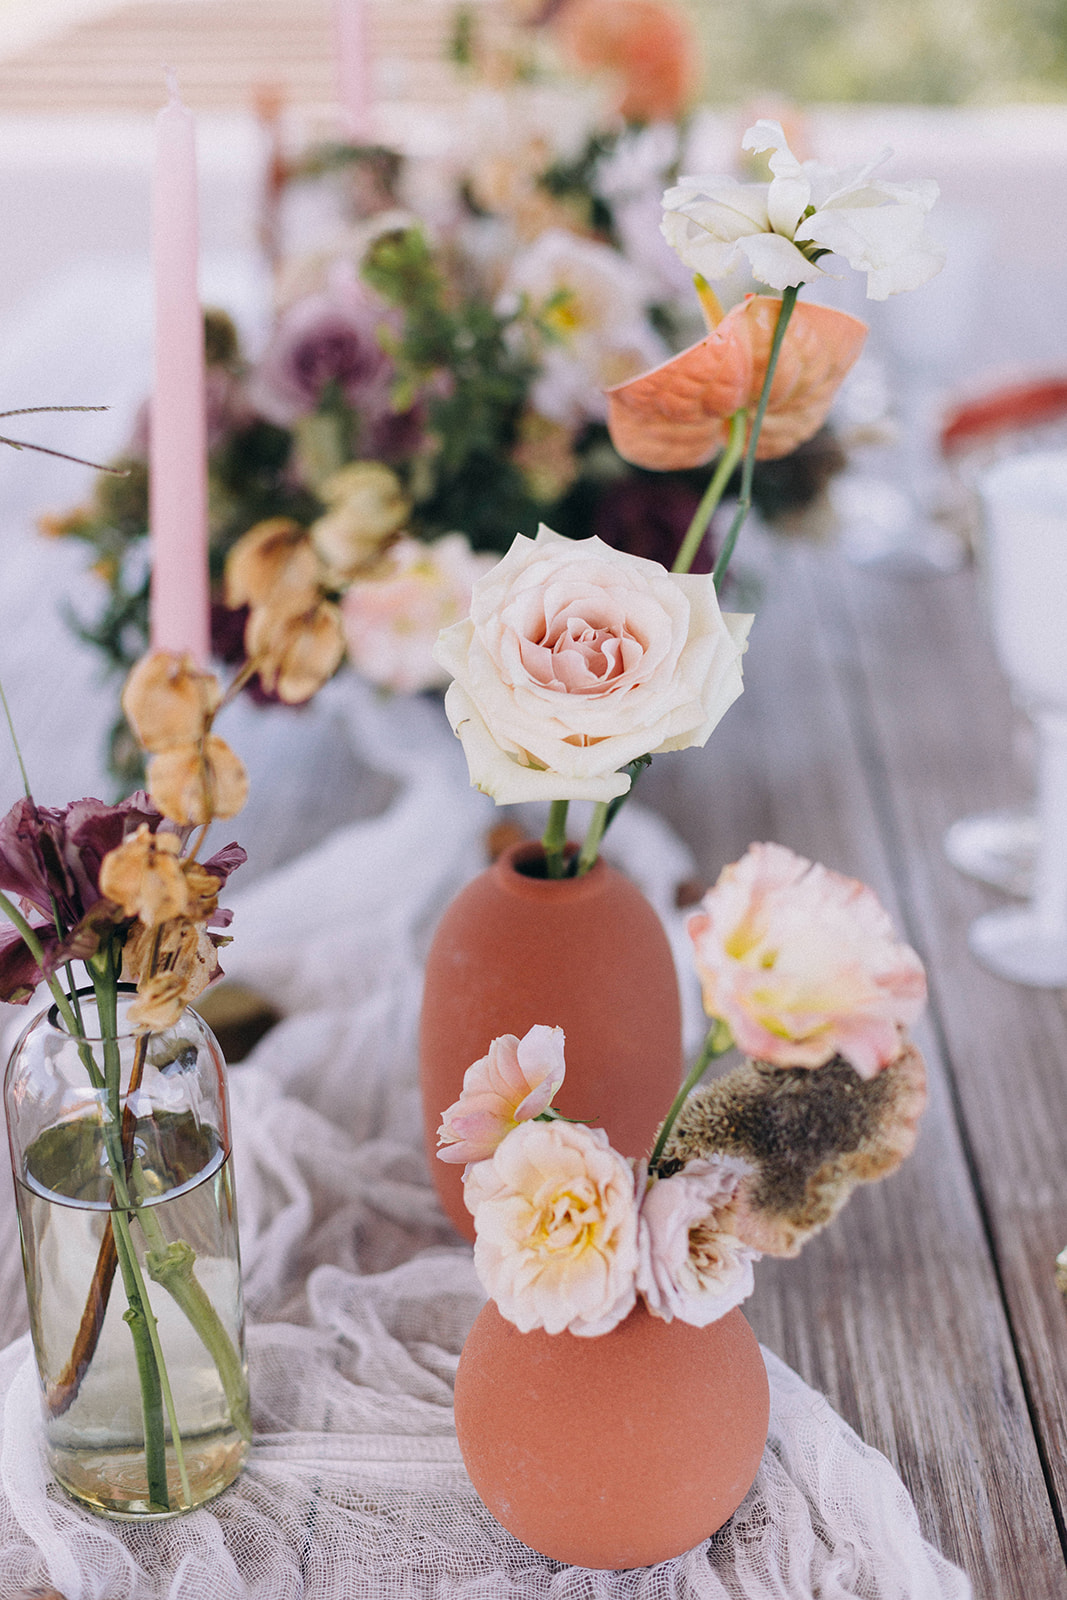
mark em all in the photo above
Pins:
pixel 556 1224
pixel 692 1265
pixel 803 964
pixel 392 618
pixel 515 1082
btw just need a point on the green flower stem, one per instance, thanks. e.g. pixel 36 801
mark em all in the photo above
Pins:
pixel 591 844
pixel 172 1266
pixel 713 493
pixel 33 945
pixel 718 1041
pixel 156 1391
pixel 744 504
pixel 554 838
pixel 139 1317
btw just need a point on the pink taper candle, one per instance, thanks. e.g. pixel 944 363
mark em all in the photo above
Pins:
pixel 353 67
pixel 179 604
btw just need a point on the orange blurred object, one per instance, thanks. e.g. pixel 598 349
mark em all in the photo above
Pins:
pixel 650 46
pixel 1010 409
pixel 677 415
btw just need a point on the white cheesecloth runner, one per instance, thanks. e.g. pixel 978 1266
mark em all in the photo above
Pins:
pixel 359 1296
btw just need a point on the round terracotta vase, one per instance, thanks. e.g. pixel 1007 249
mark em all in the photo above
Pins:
pixel 618 1451
pixel 588 955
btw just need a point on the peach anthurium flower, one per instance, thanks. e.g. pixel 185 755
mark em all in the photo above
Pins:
pixel 556 1224
pixel 803 964
pixel 514 1083
pixel 693 1265
pixel 677 415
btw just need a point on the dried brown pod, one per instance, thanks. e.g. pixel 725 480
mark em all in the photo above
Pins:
pixel 169 700
pixel 192 784
pixel 295 655
pixel 273 565
pixel 810 1136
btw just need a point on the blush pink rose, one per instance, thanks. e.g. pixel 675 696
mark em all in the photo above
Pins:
pixel 803 964
pixel 692 1265
pixel 577 659
pixel 515 1082
pixel 556 1224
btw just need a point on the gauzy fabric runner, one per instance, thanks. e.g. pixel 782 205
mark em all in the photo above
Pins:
pixel 359 1296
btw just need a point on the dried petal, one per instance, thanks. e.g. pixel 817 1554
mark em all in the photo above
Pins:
pixel 144 876
pixel 295 655
pixel 191 785
pixel 274 565
pixel 168 699
pixel 367 507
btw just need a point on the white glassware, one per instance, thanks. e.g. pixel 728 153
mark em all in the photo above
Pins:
pixel 1024 501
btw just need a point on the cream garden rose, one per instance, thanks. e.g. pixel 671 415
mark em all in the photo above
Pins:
pixel 556 1225
pixel 577 659
pixel 803 964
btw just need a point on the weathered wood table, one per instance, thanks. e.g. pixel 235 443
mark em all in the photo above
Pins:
pixel 873 716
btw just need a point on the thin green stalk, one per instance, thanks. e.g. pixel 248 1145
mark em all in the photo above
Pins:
pixel 735 446
pixel 595 832
pixel 718 1041
pixel 15 742
pixel 33 945
pixel 554 838
pixel 172 1266
pixel 105 979
pixel 139 1317
pixel 744 504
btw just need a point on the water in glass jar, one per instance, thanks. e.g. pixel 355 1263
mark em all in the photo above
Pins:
pixel 93 1418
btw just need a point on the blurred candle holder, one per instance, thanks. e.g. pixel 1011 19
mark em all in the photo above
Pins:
pixel 1024 501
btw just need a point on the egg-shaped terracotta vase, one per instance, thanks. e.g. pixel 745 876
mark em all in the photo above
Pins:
pixel 618 1451
pixel 588 955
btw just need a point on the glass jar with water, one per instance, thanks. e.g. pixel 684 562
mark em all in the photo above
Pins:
pixel 120 1148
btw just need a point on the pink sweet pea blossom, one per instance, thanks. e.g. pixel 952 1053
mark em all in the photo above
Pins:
pixel 802 964
pixel 515 1082
pixel 692 1264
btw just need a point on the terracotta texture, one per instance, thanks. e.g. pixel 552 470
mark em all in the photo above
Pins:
pixel 586 954
pixel 613 1452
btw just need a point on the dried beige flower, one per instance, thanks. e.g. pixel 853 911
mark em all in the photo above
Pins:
pixel 168 700
pixel 367 506
pixel 144 876
pixel 186 961
pixel 273 565
pixel 191 784
pixel 810 1135
pixel 295 655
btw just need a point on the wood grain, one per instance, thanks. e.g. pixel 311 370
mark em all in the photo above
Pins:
pixel 855 743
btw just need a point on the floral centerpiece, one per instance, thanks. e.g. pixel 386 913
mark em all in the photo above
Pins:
pixel 647 1260
pixel 454 339
pixel 117 1114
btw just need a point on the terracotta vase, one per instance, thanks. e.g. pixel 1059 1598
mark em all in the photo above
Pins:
pixel 585 954
pixel 618 1451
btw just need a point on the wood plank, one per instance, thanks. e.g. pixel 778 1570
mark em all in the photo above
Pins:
pixel 952 748
pixel 895 1312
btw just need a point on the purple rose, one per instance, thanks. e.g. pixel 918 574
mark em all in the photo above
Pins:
pixel 326 338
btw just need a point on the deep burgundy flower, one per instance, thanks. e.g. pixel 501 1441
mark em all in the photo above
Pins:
pixel 326 339
pixel 648 517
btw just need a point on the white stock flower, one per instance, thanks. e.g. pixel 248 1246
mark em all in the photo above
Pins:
pixel 692 1265
pixel 556 1223
pixel 876 226
pixel 577 659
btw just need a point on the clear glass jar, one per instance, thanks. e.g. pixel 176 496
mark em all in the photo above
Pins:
pixel 120 1150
